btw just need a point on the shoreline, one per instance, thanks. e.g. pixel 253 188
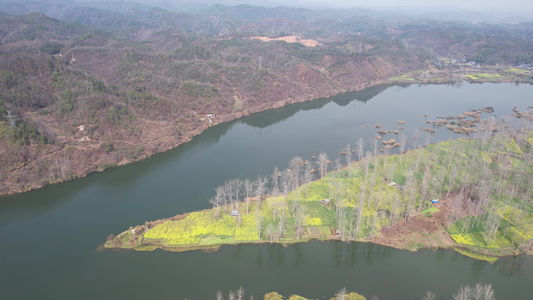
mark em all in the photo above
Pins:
pixel 364 207
pixel 190 135
pixel 471 252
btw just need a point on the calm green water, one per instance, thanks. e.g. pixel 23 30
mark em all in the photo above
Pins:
pixel 49 237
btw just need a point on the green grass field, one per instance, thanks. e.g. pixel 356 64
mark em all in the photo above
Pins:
pixel 361 201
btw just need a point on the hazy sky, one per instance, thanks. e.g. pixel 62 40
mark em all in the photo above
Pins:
pixel 520 6
pixel 479 5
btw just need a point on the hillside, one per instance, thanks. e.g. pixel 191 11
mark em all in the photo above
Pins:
pixel 105 86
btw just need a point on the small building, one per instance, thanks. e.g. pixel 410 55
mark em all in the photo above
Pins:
pixel 324 202
pixel 234 213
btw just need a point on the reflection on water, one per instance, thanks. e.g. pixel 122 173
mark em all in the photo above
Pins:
pixel 273 116
pixel 363 95
pixel 49 235
pixel 319 269
pixel 352 254
pixel 511 266
pixel 276 115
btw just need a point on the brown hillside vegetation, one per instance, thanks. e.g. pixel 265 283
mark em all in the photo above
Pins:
pixel 290 39
pixel 144 82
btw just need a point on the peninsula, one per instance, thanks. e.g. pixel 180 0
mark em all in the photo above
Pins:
pixel 470 194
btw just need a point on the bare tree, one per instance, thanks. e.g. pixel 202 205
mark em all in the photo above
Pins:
pixel 275 182
pixel 281 223
pixel 260 187
pixel 403 142
pixel 236 189
pixel 430 296
pixel 416 135
pixel 300 218
pixel 219 296
pixel 248 189
pixel 341 294
pixel 295 165
pixel 464 293
pixel 478 292
pixel 259 226
pixel 240 294
pixel 285 177
pixel 270 229
pixel 215 201
pixel 360 148
pixel 338 164
pixel 348 155
pixel 366 163
pixel 488 292
pixel 323 164
pixel 308 177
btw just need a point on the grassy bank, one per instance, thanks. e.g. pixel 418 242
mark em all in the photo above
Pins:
pixel 483 186
pixel 465 72
pixel 341 295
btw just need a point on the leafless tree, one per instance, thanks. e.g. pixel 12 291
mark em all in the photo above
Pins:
pixel 428 139
pixel 360 148
pixel 464 293
pixel 403 142
pixel 231 295
pixel 478 292
pixel 300 218
pixel 219 296
pixel 215 201
pixel 285 177
pixel 366 163
pixel 270 229
pixel 308 177
pixel 341 294
pixel 323 164
pixel 259 226
pixel 295 165
pixel 275 182
pixel 240 294
pixel 338 164
pixel 281 223
pixel 260 188
pixel 430 296
pixel 248 189
pixel 348 155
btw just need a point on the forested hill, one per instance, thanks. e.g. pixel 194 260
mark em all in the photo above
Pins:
pixel 104 86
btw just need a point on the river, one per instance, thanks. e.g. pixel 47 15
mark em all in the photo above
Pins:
pixel 50 237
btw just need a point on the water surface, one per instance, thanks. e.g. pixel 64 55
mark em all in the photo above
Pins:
pixel 49 236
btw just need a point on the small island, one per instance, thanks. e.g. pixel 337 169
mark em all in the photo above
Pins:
pixel 472 194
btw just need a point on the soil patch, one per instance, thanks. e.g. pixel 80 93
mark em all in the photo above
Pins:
pixel 420 232
pixel 290 39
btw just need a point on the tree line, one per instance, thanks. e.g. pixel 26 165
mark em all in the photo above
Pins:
pixel 478 291
pixel 476 176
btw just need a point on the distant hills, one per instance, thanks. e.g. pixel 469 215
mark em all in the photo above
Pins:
pixel 106 83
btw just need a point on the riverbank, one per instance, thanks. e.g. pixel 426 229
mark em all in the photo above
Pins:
pixel 157 138
pixel 380 199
